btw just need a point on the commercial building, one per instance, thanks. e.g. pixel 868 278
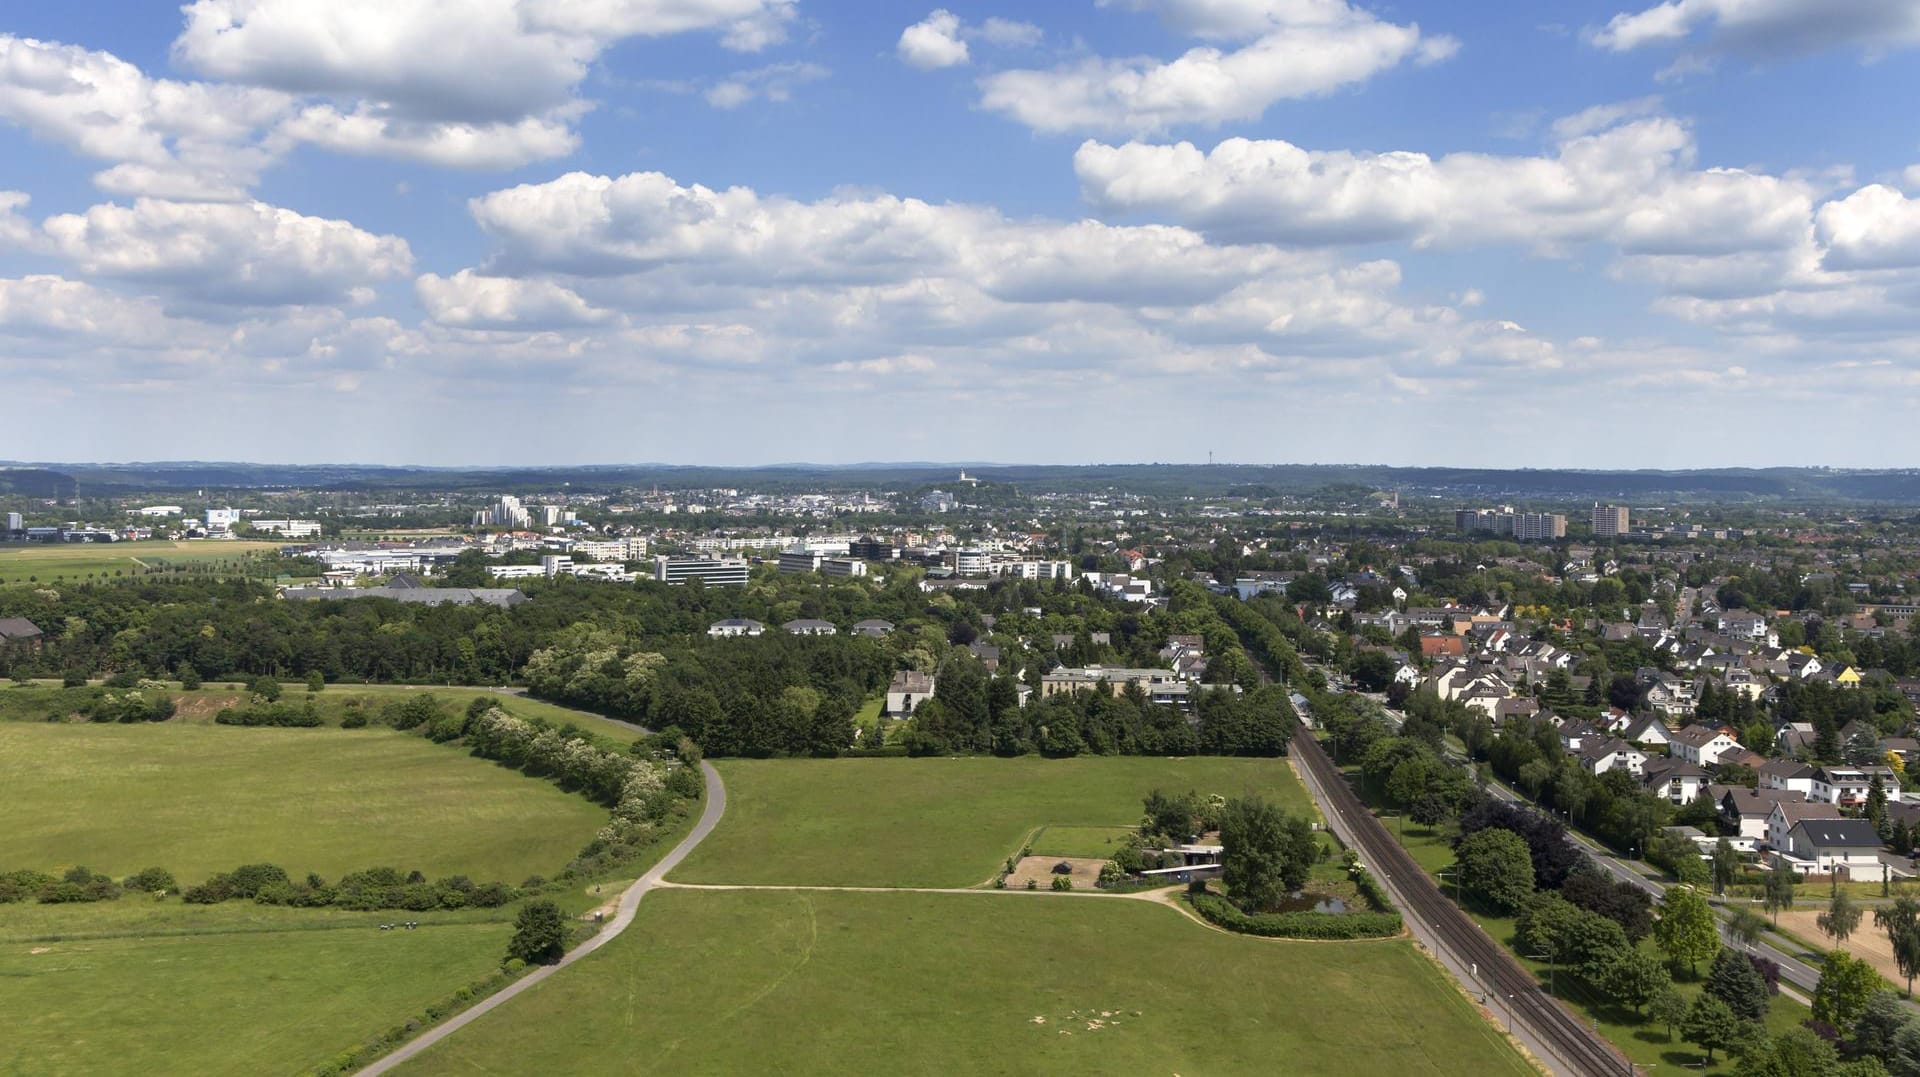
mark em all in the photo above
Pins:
pixel 868 548
pixel 222 519
pixel 616 550
pixel 1036 570
pixel 1609 521
pixel 714 572
pixel 842 566
pixel 289 528
pixel 972 562
pixel 799 561
pixel 15 523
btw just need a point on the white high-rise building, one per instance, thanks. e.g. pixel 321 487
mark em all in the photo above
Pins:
pixel 15 523
pixel 507 512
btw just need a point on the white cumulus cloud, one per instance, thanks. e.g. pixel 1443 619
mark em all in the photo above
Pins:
pixel 933 42
pixel 1767 27
pixel 1287 49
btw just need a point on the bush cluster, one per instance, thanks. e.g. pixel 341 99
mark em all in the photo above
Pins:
pixel 271 714
pixel 375 888
pixel 135 704
pixel 77 885
pixel 1296 925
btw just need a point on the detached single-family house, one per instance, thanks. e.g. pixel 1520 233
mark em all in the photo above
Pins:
pixel 1849 786
pixel 1788 774
pixel 21 633
pixel 1748 809
pixel 907 691
pixel 1826 846
pixel 873 629
pixel 1787 814
pixel 810 627
pixel 1673 780
pixel 736 626
pixel 1649 733
pixel 1599 756
pixel 1702 745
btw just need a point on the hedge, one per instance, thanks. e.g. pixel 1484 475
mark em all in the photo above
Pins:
pixel 1297 925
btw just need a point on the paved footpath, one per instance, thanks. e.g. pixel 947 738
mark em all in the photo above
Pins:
pixel 715 805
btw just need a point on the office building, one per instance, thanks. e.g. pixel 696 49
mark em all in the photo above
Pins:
pixel 799 560
pixel 15 523
pixel 714 572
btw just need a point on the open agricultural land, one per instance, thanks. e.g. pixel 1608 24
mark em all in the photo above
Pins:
pixel 70 562
pixel 942 821
pixel 805 982
pixel 771 968
pixel 201 799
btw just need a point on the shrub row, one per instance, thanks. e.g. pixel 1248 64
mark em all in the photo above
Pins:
pixel 375 888
pixel 1297 925
pixel 1371 889
pixel 271 714
pixel 78 884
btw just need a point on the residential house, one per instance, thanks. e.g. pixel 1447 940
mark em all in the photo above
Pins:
pixel 1788 775
pixel 1832 846
pixel 18 632
pixel 1787 814
pixel 1649 733
pixel 1702 745
pixel 736 626
pixel 908 689
pixel 810 627
pixel 873 629
pixel 1599 756
pixel 1673 780
pixel 1442 644
pixel 1848 786
pixel 1747 810
pixel 987 653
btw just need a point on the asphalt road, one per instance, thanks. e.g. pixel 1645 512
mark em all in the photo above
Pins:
pixel 715 805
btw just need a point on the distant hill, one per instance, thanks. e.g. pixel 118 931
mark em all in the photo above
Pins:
pixel 1465 485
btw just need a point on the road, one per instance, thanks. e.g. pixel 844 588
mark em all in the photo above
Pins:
pixel 714 806
pixel 1558 1038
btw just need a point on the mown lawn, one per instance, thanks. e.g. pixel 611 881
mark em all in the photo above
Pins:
pixel 239 1002
pixel 716 982
pixel 1081 840
pixel 200 799
pixel 937 821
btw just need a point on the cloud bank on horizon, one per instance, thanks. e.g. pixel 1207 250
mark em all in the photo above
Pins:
pixel 733 231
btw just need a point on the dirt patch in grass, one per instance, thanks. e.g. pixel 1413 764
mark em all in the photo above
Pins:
pixel 1085 876
pixel 1867 941
pixel 202 708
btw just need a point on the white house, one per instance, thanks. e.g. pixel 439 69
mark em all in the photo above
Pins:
pixel 1787 775
pixel 1702 745
pixel 736 626
pixel 1827 845
pixel 1673 780
pixel 810 627
pixel 1849 786
pixel 1788 814
pixel 1750 809
pixel 908 690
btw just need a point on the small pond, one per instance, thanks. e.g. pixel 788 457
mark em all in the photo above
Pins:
pixel 1308 901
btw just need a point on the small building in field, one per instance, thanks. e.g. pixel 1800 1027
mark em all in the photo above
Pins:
pixel 18 632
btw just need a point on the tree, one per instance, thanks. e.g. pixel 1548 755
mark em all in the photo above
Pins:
pixel 1901 922
pixel 1632 976
pixel 1686 929
pixel 1497 867
pixel 266 688
pixel 1879 1023
pixel 1846 985
pixel 1668 1008
pixel 1711 1024
pixel 1734 981
pixel 540 934
pixel 1428 809
pixel 1797 1052
pixel 1726 865
pixel 1746 926
pixel 1778 892
pixel 1373 671
pixel 1841 918
pixel 316 681
pixel 1266 853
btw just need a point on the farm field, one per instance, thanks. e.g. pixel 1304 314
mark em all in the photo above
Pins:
pixel 937 821
pixel 244 1002
pixel 46 700
pixel 74 560
pixel 831 983
pixel 201 799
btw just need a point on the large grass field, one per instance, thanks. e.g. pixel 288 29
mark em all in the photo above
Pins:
pixel 46 561
pixel 44 700
pixel 833 983
pixel 937 822
pixel 225 990
pixel 201 799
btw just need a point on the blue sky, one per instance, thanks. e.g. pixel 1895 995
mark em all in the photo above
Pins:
pixel 742 231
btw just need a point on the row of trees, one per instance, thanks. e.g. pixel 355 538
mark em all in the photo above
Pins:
pixel 375 888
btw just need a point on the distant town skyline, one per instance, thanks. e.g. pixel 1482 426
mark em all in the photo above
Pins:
pixel 747 232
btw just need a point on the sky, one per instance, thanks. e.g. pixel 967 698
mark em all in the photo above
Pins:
pixel 1581 234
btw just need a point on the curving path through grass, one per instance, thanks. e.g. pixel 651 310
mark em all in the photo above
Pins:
pixel 715 805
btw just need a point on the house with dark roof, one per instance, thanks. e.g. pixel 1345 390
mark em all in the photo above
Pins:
pixel 810 626
pixel 873 629
pixel 735 626
pixel 1829 845
pixel 1747 810
pixel 907 691
pixel 1673 780
pixel 21 633
pixel 1787 814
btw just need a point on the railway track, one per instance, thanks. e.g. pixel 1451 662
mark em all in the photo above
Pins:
pixel 1576 1046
